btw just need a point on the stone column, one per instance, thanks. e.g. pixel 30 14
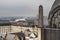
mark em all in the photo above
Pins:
pixel 40 19
pixel 40 23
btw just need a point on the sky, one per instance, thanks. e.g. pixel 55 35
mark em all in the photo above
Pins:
pixel 24 7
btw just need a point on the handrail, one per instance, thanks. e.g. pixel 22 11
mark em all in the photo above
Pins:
pixel 51 28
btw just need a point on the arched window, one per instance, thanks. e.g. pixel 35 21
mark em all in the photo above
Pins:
pixel 56 20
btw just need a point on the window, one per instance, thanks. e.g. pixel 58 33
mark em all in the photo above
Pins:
pixel 56 20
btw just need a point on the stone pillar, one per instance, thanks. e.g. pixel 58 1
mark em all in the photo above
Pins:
pixel 40 19
pixel 40 23
pixel 39 33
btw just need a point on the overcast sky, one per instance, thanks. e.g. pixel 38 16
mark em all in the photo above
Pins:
pixel 23 7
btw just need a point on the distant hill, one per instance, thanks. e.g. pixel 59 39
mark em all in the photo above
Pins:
pixel 10 18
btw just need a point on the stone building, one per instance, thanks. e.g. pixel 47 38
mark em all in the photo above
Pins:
pixel 54 15
pixel 52 32
pixel 5 26
pixel 20 22
pixel 14 28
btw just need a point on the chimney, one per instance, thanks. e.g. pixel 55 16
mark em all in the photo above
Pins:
pixel 40 17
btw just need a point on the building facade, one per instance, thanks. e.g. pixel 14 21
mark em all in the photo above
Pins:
pixel 52 32
pixel 54 15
